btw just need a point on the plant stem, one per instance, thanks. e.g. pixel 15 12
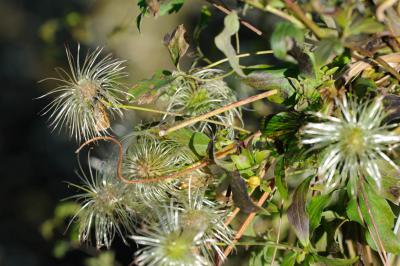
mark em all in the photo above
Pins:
pixel 245 224
pixel 144 109
pixel 210 79
pixel 218 111
pixel 238 56
pixel 279 232
pixel 269 244
pixel 298 12
pixel 243 22
pixel 198 165
pixel 275 11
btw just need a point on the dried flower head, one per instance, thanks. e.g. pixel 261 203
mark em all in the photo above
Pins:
pixel 85 94
pixel 205 218
pixel 167 243
pixel 353 142
pixel 148 157
pixel 193 97
pixel 107 208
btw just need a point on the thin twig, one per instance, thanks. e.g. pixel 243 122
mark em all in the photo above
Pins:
pixel 278 234
pixel 238 56
pixel 218 111
pixel 298 12
pixel 150 110
pixel 235 212
pixel 245 224
pixel 198 165
pixel 275 11
pixel 243 22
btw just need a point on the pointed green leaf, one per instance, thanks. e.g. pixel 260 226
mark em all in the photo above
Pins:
pixel 383 217
pixel 296 213
pixel 326 50
pixel 315 208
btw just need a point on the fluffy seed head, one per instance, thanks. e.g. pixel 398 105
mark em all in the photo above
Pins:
pixel 194 97
pixel 148 157
pixel 107 208
pixel 353 142
pixel 84 94
pixel 205 218
pixel 167 243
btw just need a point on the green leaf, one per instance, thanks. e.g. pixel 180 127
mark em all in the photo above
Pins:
pixel 335 261
pixel 262 257
pixel 202 24
pixel 326 50
pixel 284 38
pixel 169 7
pixel 289 259
pixel 199 143
pixel 383 217
pixel 315 208
pixel 223 41
pixel 283 124
pixel 366 25
pixel 280 180
pixel 176 44
pixel 148 90
pixel 260 156
pixel 271 79
pixel 296 213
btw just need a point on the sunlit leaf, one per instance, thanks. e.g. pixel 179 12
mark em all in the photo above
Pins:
pixel 199 143
pixel 383 217
pixel 223 41
pixel 315 208
pixel 280 180
pixel 148 90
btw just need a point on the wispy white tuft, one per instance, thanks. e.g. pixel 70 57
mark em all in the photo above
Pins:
pixel 193 97
pixel 85 93
pixel 167 243
pixel 352 142
pixel 107 208
pixel 148 157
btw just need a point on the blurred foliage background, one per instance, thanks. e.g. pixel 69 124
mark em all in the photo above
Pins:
pixel 34 162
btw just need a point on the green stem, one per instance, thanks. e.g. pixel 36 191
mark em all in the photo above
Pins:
pixel 269 244
pixel 238 56
pixel 298 12
pixel 149 110
pixel 275 11
pixel 208 80
pixel 217 112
